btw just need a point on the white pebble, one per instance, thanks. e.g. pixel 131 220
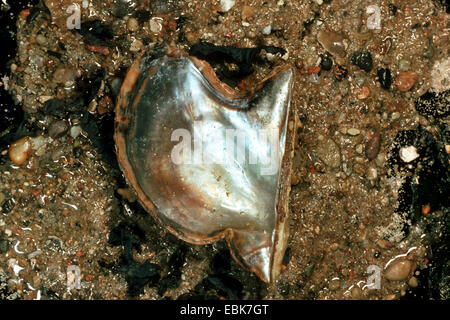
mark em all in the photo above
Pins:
pixel 408 154
pixel 155 25
pixel 75 131
pixel 267 30
pixel 226 5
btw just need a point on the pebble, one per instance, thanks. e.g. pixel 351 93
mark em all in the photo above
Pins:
pixel 155 25
pixel 408 154
pixel 332 41
pixel 406 80
pixel 395 115
pixel 294 178
pixel 362 59
pixel 334 284
pixel 120 8
pixel 328 151
pixel 20 150
pixel 356 292
pixel 326 63
pixel 41 40
pixel 8 205
pixel 385 78
pixel 398 270
pixel 373 146
pixel 353 131
pixel 359 148
pixel 247 13
pixel 75 131
pixel 4 246
pixel 266 30
pixel 372 173
pixel 413 283
pixel 363 93
pixel 133 25
pixel 226 5
pixel 58 129
pixel 136 45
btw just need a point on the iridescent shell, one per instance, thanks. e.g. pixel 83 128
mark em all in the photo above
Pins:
pixel 166 102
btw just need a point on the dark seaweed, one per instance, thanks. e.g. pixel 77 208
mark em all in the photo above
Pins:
pixel 173 278
pixel 243 57
pixel 431 171
pixel 137 275
pixel 96 32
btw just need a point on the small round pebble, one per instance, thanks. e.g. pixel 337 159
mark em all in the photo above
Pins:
pixel 41 40
pixel 133 25
pixel 20 150
pixel 326 63
pixel 266 30
pixel 58 129
pixel 413 283
pixel 356 292
pixel 406 80
pixel 328 151
pixel 353 131
pixel 398 270
pixel 334 284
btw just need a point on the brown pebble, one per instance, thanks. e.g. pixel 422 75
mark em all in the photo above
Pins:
pixel 20 150
pixel 413 283
pixel 406 80
pixel 133 25
pixel 364 93
pixel 58 129
pixel 373 146
pixel 332 41
pixel 356 292
pixel 172 25
pixel 247 13
pixel 398 270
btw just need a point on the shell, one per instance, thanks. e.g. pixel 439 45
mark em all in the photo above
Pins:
pixel 173 119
